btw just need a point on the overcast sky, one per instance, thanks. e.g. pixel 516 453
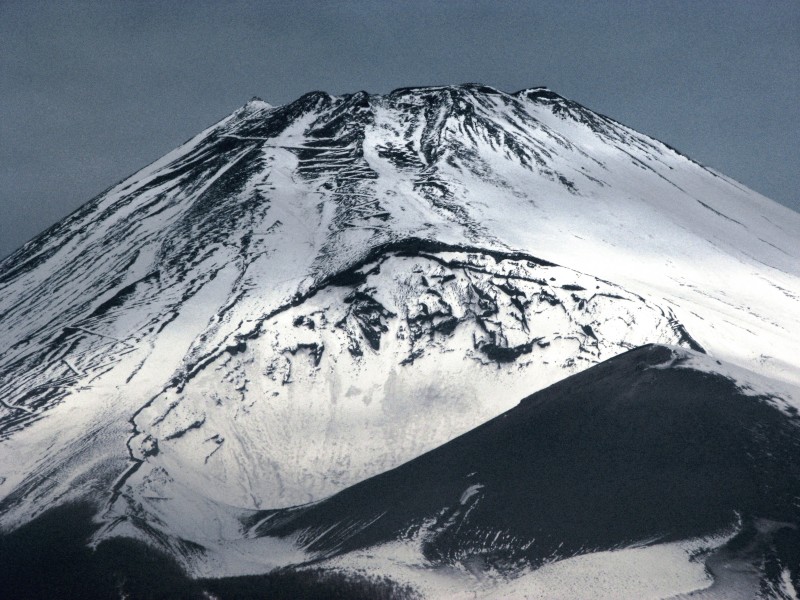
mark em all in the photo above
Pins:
pixel 92 91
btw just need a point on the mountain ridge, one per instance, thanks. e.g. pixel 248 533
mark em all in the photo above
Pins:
pixel 652 448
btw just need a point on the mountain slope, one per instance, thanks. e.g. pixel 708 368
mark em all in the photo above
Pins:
pixel 648 449
pixel 303 296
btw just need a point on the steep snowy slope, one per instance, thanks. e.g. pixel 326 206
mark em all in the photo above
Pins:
pixel 652 474
pixel 303 296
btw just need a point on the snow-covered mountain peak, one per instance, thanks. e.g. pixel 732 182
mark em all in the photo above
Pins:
pixel 213 330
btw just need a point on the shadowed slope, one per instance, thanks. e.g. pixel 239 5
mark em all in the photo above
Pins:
pixel 634 449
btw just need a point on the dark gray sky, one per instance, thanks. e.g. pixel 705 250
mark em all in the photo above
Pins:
pixel 92 91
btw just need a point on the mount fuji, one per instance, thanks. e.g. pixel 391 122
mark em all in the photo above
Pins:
pixel 223 352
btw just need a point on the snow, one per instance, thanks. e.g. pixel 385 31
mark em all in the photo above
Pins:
pixel 171 302
pixel 648 572
pixel 783 396
pixel 470 492
pixel 297 428
pixel 653 571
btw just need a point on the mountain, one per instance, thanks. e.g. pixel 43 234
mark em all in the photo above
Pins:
pixel 659 473
pixel 658 454
pixel 302 297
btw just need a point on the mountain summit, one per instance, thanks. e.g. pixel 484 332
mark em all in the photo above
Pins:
pixel 301 297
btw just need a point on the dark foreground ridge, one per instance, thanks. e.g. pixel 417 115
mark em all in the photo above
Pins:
pixel 50 559
pixel 634 449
